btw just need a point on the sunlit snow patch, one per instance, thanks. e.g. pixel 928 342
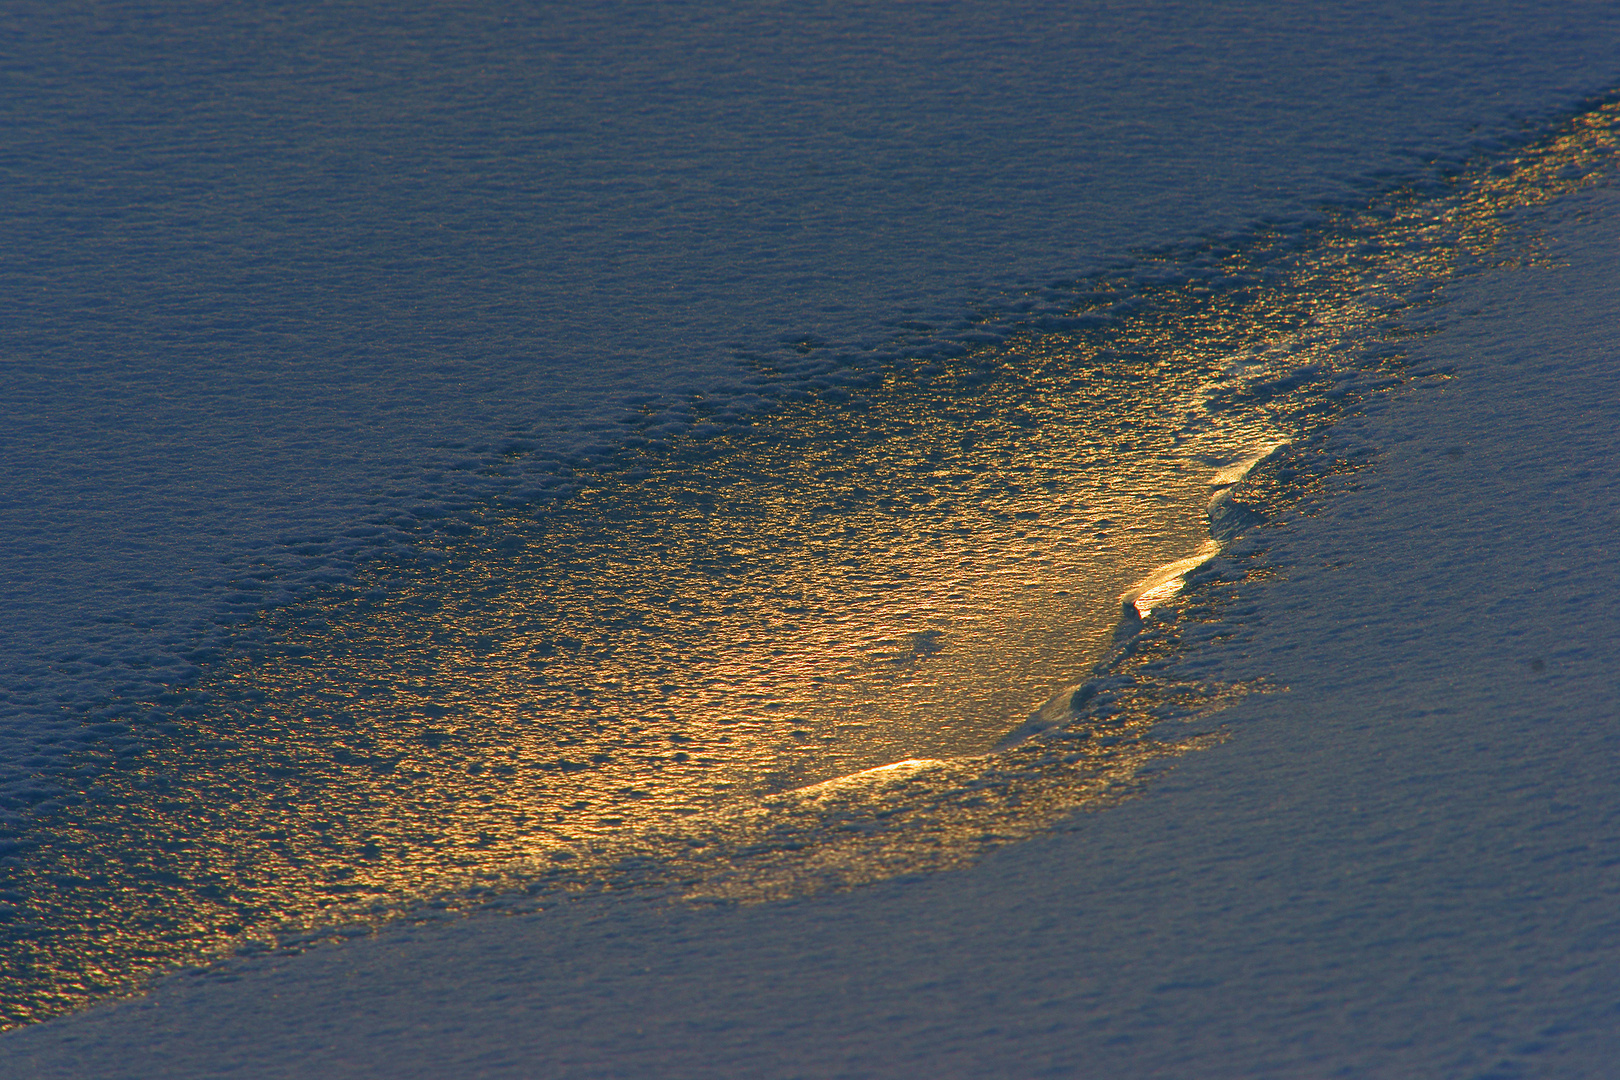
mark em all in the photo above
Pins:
pixel 608 694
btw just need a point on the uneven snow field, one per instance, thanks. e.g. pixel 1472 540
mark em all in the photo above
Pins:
pixel 282 274
pixel 1407 864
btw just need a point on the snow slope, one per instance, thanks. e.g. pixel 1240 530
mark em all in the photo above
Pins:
pixel 1405 864
pixel 280 273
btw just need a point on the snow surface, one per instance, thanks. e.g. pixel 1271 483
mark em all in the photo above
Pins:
pixel 1407 864
pixel 279 272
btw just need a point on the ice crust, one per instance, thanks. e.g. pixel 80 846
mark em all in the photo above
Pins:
pixel 1404 865
pixel 281 276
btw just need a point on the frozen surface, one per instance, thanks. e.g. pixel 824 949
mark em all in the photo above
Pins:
pixel 279 272
pixel 1404 865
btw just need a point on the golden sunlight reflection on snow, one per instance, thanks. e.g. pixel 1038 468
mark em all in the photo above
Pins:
pixel 681 663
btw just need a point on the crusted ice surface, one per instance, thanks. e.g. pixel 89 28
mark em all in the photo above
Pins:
pixel 614 695
pixel 227 392
pixel 1404 864
pixel 282 278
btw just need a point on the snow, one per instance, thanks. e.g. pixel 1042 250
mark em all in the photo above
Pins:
pixel 281 272
pixel 1401 863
